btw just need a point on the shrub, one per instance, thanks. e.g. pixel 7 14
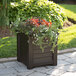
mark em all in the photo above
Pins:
pixel 4 13
pixel 38 10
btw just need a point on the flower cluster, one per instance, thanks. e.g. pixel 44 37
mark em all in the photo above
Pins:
pixel 37 22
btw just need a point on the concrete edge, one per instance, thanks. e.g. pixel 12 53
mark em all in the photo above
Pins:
pixel 66 51
pixel 2 60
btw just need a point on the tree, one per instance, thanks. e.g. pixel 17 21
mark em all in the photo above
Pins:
pixel 4 12
pixel 4 20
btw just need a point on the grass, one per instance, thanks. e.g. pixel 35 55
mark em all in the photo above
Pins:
pixel 69 10
pixel 69 7
pixel 7 47
pixel 67 38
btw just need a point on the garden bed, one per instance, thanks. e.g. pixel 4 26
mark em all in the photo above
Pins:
pixel 4 31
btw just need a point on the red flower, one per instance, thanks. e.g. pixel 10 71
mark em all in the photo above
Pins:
pixel 37 22
pixel 47 23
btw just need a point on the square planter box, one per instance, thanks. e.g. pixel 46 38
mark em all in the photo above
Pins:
pixel 31 55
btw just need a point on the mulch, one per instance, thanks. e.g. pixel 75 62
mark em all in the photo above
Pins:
pixel 5 31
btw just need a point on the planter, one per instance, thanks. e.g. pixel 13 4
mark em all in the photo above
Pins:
pixel 31 55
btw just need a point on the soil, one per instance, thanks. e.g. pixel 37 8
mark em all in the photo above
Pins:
pixel 70 2
pixel 5 31
pixel 67 24
pixel 66 1
pixel 71 20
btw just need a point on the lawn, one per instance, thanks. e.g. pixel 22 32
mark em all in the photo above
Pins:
pixel 69 10
pixel 69 7
pixel 7 47
pixel 67 39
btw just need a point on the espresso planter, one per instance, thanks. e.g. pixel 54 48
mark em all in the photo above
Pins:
pixel 31 55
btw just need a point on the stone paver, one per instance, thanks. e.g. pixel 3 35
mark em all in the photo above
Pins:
pixel 25 73
pixel 71 60
pixel 70 55
pixel 56 72
pixel 62 57
pixel 8 75
pixel 10 64
pixel 66 67
pixel 69 74
pixel 2 66
pixel 37 74
pixel 63 62
pixel 7 71
pixel 69 68
pixel 42 69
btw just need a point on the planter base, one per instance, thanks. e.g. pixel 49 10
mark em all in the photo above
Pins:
pixel 31 55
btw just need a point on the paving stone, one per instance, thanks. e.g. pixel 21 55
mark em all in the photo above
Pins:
pixel 71 60
pixel 9 75
pixel 2 66
pixel 52 75
pixel 69 68
pixel 62 57
pixel 7 71
pixel 66 67
pixel 37 74
pixel 21 69
pixel 52 67
pixel 69 74
pixel 62 62
pixel 56 72
pixel 25 73
pixel 11 64
pixel 71 54
pixel 21 64
pixel 41 69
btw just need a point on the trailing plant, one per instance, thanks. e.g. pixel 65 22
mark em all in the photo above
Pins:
pixel 40 19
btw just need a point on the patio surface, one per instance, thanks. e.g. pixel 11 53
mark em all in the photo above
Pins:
pixel 66 67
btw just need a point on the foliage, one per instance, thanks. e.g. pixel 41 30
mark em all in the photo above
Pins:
pixel 36 8
pixel 4 12
pixel 41 34
pixel 21 12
